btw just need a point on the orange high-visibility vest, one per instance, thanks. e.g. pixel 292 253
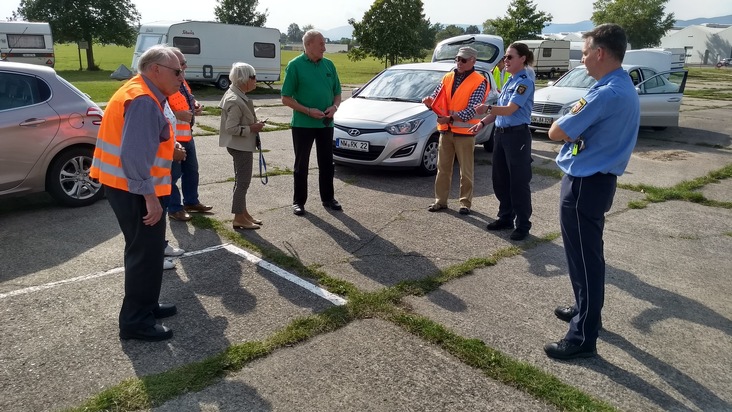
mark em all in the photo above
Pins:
pixel 446 105
pixel 107 164
pixel 177 103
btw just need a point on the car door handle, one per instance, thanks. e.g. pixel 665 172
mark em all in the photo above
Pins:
pixel 33 122
pixel 674 99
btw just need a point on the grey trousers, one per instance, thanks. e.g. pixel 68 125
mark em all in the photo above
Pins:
pixel 242 178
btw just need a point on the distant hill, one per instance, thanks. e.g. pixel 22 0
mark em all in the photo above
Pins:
pixel 347 31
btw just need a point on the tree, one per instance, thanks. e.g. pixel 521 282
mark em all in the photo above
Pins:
pixel 449 31
pixel 489 28
pixel 522 22
pixel 391 30
pixel 240 12
pixel 472 29
pixel 92 21
pixel 294 34
pixel 643 20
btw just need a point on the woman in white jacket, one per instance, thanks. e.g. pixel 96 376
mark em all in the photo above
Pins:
pixel 238 133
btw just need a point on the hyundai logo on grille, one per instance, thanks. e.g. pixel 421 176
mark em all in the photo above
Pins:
pixel 354 132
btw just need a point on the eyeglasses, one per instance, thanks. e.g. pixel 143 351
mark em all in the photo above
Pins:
pixel 176 71
pixel 253 77
pixel 461 59
pixel 507 57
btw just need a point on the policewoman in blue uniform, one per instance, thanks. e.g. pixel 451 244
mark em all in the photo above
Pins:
pixel 512 140
pixel 600 133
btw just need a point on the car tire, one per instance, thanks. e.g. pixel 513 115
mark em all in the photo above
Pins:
pixel 428 161
pixel 68 179
pixel 223 82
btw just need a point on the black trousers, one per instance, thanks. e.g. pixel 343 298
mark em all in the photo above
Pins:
pixel 583 204
pixel 144 254
pixel 512 175
pixel 302 141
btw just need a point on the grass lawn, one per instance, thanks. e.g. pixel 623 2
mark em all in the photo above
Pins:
pixel 100 87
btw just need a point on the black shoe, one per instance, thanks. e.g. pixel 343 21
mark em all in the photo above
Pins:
pixel 519 234
pixel 165 310
pixel 500 225
pixel 565 313
pixel 298 209
pixel 150 334
pixel 333 205
pixel 565 349
pixel 464 211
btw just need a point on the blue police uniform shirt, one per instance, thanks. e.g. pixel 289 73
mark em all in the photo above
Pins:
pixel 519 90
pixel 607 119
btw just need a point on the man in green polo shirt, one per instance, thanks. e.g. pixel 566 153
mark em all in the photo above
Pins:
pixel 313 91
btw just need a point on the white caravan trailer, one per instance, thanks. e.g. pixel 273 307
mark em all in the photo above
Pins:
pixel 211 48
pixel 26 42
pixel 575 53
pixel 551 57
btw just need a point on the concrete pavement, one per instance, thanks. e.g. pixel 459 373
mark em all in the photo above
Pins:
pixel 668 316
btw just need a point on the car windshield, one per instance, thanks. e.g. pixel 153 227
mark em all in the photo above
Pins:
pixel 402 85
pixel 576 78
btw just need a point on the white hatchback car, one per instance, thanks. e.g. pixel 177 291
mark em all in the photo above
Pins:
pixel 385 124
pixel 660 96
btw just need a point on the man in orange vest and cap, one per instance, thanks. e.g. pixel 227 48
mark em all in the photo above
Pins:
pixel 132 159
pixel 454 102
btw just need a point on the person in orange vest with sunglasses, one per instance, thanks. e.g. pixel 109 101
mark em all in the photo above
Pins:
pixel 454 102
pixel 132 160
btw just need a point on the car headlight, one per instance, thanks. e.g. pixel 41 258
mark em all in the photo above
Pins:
pixel 407 127
pixel 566 109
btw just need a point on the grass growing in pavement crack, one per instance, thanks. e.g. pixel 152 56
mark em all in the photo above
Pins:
pixel 686 190
pixel 154 390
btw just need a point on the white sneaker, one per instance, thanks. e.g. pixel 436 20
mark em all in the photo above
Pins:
pixel 168 264
pixel 173 251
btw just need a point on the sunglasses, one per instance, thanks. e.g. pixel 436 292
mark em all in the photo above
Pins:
pixel 461 59
pixel 253 77
pixel 507 57
pixel 176 71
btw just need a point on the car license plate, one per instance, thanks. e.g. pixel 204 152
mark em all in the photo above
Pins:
pixel 541 120
pixel 352 145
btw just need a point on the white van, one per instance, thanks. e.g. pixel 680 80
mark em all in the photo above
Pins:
pixel 211 48
pixel 26 42
pixel 551 57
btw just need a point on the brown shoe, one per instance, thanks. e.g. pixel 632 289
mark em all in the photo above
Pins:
pixel 180 215
pixel 197 208
pixel 245 225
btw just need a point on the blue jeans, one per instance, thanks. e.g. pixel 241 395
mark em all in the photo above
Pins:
pixel 187 172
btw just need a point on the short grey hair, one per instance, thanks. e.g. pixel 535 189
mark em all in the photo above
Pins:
pixel 240 73
pixel 158 54
pixel 309 35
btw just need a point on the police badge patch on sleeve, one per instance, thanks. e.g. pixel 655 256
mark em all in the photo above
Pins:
pixel 521 89
pixel 578 106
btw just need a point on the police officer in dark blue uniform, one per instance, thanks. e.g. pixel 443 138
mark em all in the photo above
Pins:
pixel 599 134
pixel 512 144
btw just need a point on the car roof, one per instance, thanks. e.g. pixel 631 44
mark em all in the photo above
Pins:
pixel 27 68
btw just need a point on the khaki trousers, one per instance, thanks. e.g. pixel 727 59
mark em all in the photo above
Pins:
pixel 450 147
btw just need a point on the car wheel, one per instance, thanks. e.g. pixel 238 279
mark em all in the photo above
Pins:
pixel 428 165
pixel 68 179
pixel 223 82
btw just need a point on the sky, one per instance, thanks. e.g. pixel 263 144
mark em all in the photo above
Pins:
pixel 329 14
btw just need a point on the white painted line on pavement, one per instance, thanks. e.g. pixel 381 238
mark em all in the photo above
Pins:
pixel 316 290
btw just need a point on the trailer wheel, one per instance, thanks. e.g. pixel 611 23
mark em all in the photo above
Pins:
pixel 223 82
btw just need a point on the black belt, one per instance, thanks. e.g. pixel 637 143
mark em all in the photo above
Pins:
pixel 511 128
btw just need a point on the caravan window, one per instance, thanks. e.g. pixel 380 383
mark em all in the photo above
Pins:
pixel 147 40
pixel 188 45
pixel 264 50
pixel 575 54
pixel 546 53
pixel 26 41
